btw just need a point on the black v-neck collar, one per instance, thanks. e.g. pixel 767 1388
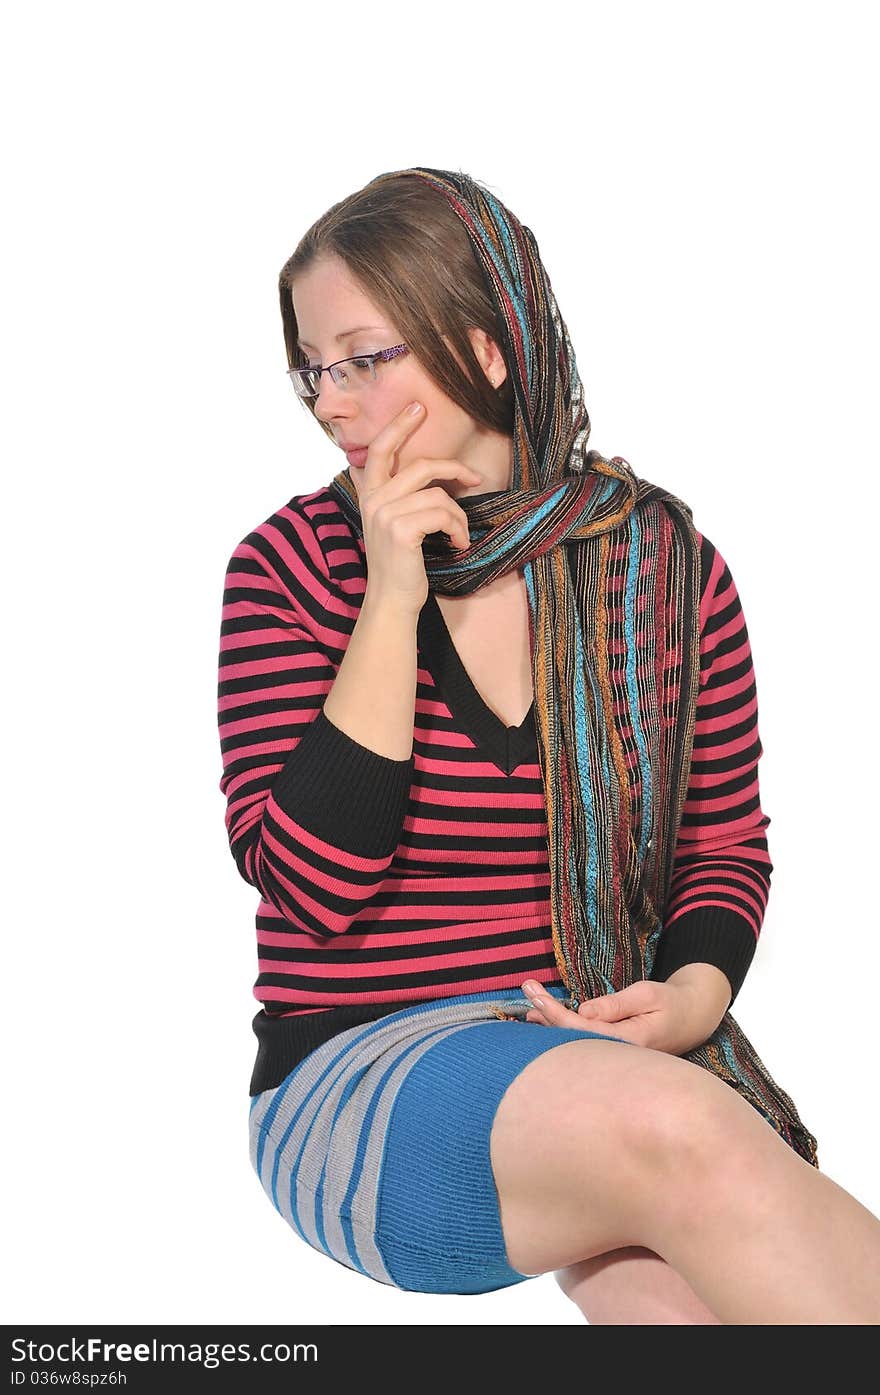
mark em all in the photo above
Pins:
pixel 506 747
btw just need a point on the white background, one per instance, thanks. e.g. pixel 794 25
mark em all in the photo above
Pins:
pixel 700 181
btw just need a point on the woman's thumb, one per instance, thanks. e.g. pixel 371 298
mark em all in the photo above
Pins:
pixel 611 1007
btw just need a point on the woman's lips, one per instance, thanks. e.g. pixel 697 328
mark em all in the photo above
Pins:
pixel 358 456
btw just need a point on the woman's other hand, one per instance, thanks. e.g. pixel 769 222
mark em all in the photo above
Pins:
pixel 670 1016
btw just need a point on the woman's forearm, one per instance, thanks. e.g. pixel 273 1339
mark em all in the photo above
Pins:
pixel 373 697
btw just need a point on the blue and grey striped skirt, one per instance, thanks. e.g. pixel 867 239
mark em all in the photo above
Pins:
pixel 375 1148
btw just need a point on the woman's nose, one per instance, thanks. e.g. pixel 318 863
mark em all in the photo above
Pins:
pixel 330 398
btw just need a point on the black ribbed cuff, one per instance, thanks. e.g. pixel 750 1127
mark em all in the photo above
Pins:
pixel 707 935
pixel 343 792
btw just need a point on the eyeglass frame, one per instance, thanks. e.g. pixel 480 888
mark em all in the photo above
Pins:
pixel 383 355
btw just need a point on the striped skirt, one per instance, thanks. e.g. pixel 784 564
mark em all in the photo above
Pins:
pixel 375 1148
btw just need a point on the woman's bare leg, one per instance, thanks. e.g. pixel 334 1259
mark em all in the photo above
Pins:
pixel 795 1247
pixel 686 1169
pixel 633 1287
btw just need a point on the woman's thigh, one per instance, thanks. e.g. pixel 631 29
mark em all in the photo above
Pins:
pixel 591 1140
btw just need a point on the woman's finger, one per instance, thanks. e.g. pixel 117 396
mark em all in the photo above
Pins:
pixel 550 1008
pixel 550 1012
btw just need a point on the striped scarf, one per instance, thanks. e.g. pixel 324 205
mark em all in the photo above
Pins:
pixel 615 642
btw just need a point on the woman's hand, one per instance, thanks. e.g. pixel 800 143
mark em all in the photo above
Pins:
pixel 673 1017
pixel 398 511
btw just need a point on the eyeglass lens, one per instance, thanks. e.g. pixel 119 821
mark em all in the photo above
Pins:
pixel 352 373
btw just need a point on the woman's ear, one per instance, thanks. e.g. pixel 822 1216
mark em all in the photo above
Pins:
pixel 489 355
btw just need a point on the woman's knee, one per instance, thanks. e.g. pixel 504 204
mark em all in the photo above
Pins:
pixel 686 1111
pixel 695 1124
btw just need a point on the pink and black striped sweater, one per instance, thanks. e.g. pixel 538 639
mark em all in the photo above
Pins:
pixel 386 882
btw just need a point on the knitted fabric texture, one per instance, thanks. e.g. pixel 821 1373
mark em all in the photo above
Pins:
pixel 607 638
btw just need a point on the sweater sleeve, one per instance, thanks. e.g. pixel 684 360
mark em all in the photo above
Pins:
pixel 721 873
pixel 313 818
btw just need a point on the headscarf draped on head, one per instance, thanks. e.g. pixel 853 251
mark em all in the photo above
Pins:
pixel 612 570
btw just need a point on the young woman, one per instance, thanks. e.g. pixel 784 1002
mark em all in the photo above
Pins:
pixel 490 746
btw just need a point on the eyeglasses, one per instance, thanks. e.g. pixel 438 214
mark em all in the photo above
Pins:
pixel 348 373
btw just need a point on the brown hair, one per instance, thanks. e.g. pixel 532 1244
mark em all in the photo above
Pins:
pixel 412 256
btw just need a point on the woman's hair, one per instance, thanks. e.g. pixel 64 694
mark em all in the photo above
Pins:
pixel 413 258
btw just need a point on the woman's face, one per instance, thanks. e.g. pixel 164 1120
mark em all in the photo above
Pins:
pixel 329 305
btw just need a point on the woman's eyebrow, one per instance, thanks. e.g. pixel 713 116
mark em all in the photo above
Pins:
pixel 346 334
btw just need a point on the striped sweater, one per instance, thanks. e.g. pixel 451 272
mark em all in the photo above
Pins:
pixel 385 883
